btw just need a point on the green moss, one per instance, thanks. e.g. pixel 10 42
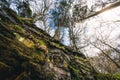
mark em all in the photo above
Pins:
pixel 25 20
pixel 76 56
pixel 17 27
pixel 20 19
pixel 102 76
pixel 80 59
pixel 28 22
pixel 74 72
pixel 116 76
pixel 27 42
pixel 58 45
pixel 41 42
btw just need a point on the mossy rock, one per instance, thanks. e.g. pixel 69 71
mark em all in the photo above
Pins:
pixel 24 53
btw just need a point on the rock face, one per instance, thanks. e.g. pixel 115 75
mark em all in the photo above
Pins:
pixel 28 53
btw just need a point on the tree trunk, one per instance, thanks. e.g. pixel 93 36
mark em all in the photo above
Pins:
pixel 57 32
pixel 73 40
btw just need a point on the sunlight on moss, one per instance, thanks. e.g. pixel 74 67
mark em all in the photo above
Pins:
pixel 47 60
pixel 27 42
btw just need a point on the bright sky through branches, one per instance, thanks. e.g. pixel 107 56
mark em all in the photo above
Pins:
pixel 107 25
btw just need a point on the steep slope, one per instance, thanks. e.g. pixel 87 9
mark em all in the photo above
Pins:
pixel 28 53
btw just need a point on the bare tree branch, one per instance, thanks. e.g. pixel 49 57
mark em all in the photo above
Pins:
pixel 109 46
pixel 106 55
pixel 113 5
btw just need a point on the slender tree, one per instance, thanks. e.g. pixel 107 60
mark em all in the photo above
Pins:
pixel 60 16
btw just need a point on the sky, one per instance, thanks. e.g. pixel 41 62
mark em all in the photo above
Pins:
pixel 106 26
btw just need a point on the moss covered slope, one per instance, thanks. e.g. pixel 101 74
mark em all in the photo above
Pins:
pixel 28 53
